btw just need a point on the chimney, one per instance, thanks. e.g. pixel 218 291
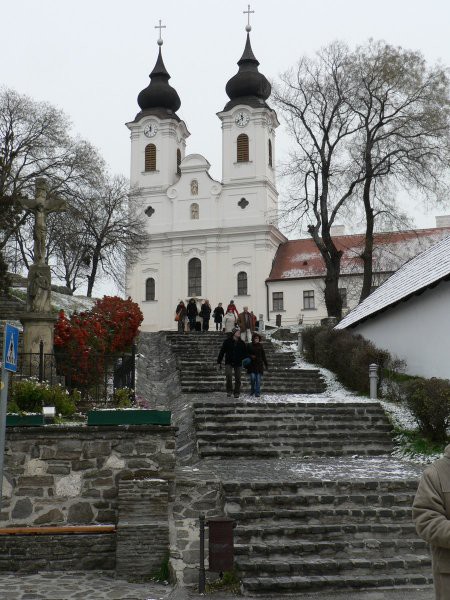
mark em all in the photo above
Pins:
pixel 443 221
pixel 339 230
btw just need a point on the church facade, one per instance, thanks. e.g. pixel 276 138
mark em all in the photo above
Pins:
pixel 208 239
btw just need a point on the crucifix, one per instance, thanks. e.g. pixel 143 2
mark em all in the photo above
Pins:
pixel 160 27
pixel 247 12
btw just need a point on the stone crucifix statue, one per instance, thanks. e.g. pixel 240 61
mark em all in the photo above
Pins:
pixel 39 279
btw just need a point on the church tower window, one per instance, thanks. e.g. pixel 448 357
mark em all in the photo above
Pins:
pixel 195 277
pixel 195 211
pixel 150 289
pixel 242 148
pixel 150 157
pixel 242 283
pixel 270 153
pixel 178 161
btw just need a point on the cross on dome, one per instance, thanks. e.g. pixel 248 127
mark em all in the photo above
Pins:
pixel 160 27
pixel 247 12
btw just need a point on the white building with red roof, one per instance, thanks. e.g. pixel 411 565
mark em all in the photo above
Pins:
pixel 296 282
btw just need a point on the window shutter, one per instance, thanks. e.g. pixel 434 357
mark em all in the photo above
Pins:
pixel 242 148
pixel 150 157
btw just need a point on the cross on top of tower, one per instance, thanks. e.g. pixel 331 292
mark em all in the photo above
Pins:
pixel 160 27
pixel 248 12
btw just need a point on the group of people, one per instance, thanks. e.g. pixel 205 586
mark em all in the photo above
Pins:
pixel 187 318
pixel 239 355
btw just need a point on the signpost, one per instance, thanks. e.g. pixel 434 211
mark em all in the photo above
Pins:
pixel 9 363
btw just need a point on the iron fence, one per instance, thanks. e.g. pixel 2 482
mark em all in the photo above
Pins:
pixel 104 374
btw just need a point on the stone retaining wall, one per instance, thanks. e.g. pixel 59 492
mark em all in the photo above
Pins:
pixel 74 552
pixel 58 475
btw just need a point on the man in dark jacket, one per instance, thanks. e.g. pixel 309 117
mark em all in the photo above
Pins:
pixel 192 312
pixel 234 350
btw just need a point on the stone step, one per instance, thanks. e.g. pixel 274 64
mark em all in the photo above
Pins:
pixel 349 581
pixel 324 566
pixel 366 548
pixel 272 389
pixel 248 534
pixel 300 426
pixel 353 500
pixel 319 406
pixel 265 452
pixel 318 486
pixel 324 516
pixel 279 435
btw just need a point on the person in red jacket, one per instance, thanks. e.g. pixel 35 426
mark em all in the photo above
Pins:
pixel 232 308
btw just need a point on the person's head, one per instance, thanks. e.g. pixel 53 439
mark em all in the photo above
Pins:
pixel 256 338
pixel 245 308
pixel 207 301
pixel 231 301
pixel 236 333
pixel 191 301
pixel 181 303
pixel 220 303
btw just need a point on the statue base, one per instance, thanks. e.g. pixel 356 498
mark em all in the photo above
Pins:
pixel 37 327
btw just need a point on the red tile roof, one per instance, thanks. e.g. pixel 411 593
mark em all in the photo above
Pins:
pixel 298 259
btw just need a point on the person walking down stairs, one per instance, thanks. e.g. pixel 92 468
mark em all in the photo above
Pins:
pixel 218 314
pixel 246 323
pixel 205 313
pixel 192 312
pixel 258 361
pixel 235 351
pixel 229 321
pixel 180 316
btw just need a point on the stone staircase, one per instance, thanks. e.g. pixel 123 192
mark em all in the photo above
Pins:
pixel 11 308
pixel 295 536
pixel 270 430
pixel 196 356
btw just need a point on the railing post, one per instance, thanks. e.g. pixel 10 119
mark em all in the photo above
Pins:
pixel 373 380
pixel 41 361
pixel 133 371
pixel 201 573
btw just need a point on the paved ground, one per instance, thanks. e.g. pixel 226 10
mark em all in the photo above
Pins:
pixel 80 586
pixel 102 586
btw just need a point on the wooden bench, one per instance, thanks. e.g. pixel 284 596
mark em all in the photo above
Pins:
pixel 56 530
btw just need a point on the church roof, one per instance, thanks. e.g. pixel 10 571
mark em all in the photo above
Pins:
pixel 300 259
pixel 422 272
pixel 159 97
pixel 248 86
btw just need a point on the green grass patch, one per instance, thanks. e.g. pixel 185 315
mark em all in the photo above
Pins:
pixel 413 443
pixel 229 582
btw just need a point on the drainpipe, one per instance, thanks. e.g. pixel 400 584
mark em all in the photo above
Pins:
pixel 267 301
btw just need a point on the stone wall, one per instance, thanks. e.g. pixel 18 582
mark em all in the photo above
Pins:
pixel 57 475
pixel 195 493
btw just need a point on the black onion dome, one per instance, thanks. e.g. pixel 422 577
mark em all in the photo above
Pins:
pixel 248 86
pixel 159 94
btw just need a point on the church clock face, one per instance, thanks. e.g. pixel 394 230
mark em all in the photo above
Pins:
pixel 241 119
pixel 151 130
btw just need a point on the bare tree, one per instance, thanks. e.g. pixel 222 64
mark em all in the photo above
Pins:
pixel 115 231
pixel 314 99
pixel 35 141
pixel 403 108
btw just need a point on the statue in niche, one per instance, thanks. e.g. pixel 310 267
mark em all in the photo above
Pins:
pixel 194 211
pixel 194 187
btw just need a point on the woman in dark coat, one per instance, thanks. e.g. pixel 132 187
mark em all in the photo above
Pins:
pixel 181 314
pixel 205 313
pixel 256 367
pixel 218 315
pixel 192 312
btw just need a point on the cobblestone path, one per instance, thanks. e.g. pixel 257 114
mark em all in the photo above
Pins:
pixel 80 586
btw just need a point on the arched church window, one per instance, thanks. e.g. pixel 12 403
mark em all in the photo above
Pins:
pixel 178 161
pixel 195 211
pixel 270 153
pixel 150 289
pixel 242 148
pixel 194 277
pixel 150 157
pixel 242 283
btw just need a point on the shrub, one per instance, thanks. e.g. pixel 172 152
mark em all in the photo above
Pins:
pixel 347 355
pixel 28 395
pixel 429 401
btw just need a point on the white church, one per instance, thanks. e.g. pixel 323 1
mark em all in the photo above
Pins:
pixel 209 239
pixel 220 239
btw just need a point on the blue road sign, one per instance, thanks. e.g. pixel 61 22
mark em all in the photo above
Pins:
pixel 10 348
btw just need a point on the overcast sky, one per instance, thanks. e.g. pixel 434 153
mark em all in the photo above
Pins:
pixel 92 57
